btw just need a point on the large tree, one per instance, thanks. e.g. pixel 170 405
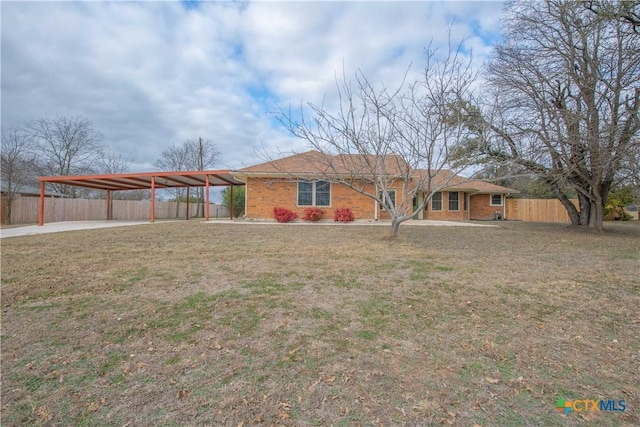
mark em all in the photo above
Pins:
pixel 565 96
pixel 17 164
pixel 385 142
pixel 66 146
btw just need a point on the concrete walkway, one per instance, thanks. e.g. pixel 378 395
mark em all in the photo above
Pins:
pixel 57 227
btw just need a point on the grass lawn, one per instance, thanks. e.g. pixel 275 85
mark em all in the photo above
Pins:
pixel 189 323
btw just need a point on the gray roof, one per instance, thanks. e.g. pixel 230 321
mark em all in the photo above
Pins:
pixel 31 190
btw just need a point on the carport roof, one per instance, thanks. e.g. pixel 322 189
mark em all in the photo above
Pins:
pixel 142 180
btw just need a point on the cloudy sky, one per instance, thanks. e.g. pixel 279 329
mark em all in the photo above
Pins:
pixel 152 74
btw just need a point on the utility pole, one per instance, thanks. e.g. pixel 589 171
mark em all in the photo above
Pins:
pixel 201 167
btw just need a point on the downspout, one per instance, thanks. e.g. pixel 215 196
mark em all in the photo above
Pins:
pixel 504 206
pixel 375 204
pixel 244 179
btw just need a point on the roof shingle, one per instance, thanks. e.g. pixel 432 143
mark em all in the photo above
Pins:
pixel 317 163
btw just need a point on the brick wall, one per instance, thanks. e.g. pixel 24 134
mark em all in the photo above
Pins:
pixel 445 214
pixel 263 194
pixel 481 208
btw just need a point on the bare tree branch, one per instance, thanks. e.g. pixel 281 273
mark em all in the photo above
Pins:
pixel 66 146
pixel 17 164
pixel 381 141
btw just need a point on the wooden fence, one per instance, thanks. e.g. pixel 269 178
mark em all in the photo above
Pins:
pixel 25 210
pixel 538 210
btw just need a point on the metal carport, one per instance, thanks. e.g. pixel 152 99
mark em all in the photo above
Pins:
pixel 144 181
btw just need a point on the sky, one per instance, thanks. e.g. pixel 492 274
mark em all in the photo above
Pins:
pixel 150 75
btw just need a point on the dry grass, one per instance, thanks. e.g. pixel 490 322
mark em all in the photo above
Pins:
pixel 229 324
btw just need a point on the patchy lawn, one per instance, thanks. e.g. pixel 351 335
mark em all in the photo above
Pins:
pixel 229 324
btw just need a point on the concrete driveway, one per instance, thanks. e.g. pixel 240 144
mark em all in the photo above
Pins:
pixel 57 227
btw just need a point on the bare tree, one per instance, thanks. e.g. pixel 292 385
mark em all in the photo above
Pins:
pixel 114 163
pixel 566 93
pixel 192 155
pixel 390 145
pixel 201 155
pixel 66 146
pixel 111 163
pixel 174 158
pixel 18 169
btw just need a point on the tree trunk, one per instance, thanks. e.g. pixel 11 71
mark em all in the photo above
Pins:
pixel 585 209
pixel 9 203
pixel 601 196
pixel 573 213
pixel 395 226
pixel 597 216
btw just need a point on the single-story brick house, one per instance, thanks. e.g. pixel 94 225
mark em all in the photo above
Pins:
pixel 300 181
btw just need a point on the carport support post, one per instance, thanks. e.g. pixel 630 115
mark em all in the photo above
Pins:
pixel 187 217
pixel 108 205
pixel 152 217
pixel 41 207
pixel 206 198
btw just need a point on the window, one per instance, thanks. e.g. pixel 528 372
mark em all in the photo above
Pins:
pixel 436 201
pixel 305 193
pixel 391 196
pixel 466 200
pixel 496 200
pixel 314 193
pixel 323 193
pixel 454 202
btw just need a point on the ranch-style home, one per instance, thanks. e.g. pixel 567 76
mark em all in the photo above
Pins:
pixel 300 181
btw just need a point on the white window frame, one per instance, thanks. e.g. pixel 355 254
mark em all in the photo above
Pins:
pixel 449 201
pixel 441 200
pixel 313 193
pixel 491 200
pixel 389 193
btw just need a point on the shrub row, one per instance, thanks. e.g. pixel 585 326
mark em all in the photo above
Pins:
pixel 312 214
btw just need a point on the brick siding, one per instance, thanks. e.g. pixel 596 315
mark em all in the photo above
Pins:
pixel 445 214
pixel 263 194
pixel 481 207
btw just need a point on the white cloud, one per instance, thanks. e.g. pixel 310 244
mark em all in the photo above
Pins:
pixel 153 74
